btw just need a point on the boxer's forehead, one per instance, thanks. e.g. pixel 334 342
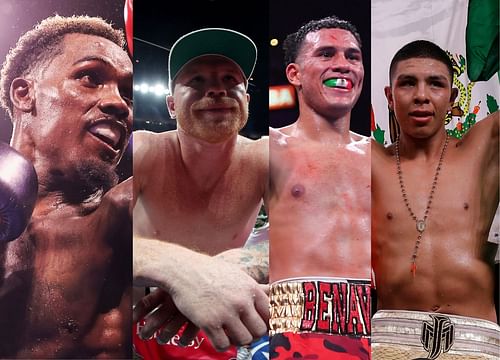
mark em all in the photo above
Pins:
pixel 330 37
pixel 210 64
pixel 80 47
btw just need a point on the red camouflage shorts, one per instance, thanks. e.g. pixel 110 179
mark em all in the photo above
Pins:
pixel 290 346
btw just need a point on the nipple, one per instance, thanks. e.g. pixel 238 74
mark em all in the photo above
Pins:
pixel 298 190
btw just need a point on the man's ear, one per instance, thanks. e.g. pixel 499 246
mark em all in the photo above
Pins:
pixel 388 95
pixel 293 74
pixel 171 106
pixel 22 94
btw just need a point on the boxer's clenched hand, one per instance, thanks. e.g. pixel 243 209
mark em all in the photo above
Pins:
pixel 215 296
pixel 163 314
pixel 223 301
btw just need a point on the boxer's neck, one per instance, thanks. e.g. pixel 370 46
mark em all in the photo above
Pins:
pixel 206 161
pixel 319 128
pixel 428 149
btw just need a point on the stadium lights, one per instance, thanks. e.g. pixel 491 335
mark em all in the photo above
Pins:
pixel 158 89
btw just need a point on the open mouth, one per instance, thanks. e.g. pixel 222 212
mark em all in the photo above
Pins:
pixel 109 132
pixel 339 83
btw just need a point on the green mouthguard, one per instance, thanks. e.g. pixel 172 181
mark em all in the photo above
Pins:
pixel 336 82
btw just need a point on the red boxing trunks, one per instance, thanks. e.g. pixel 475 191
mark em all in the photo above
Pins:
pixel 417 335
pixel 315 318
pixel 199 349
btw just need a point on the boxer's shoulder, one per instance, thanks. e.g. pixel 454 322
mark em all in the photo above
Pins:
pixel 280 139
pixel 119 198
pixel 257 148
pixel 489 124
pixel 380 153
pixel 275 133
pixel 358 138
pixel 153 149
pixel 141 145
pixel 145 141
pixel 253 151
pixel 359 144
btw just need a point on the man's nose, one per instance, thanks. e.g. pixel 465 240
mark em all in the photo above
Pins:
pixel 341 64
pixel 421 93
pixel 112 102
pixel 216 87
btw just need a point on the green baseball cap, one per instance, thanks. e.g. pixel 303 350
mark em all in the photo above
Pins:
pixel 231 44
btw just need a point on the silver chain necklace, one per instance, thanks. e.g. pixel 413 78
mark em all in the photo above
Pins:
pixel 420 223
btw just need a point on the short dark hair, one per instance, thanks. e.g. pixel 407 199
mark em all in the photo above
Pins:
pixel 421 49
pixel 40 44
pixel 293 42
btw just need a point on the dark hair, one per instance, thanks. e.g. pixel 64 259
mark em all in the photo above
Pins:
pixel 40 44
pixel 421 49
pixel 293 42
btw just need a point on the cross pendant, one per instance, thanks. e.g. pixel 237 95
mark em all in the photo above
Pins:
pixel 420 226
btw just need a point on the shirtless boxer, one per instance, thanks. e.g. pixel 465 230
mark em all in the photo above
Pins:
pixel 319 202
pixel 65 293
pixel 434 199
pixel 197 191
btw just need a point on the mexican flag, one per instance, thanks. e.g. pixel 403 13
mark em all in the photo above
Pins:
pixel 467 29
pixel 481 39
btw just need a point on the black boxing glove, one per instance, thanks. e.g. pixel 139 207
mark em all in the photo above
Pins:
pixel 18 192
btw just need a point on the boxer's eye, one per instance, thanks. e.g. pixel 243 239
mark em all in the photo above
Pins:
pixel 437 84
pixel 406 83
pixel 89 78
pixel 326 53
pixel 196 80
pixel 229 78
pixel 353 55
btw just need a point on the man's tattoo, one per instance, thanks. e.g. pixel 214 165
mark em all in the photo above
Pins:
pixel 257 258
pixel 253 259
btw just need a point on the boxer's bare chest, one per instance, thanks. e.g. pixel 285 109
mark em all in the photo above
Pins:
pixel 70 277
pixel 454 198
pixel 324 175
pixel 190 212
pixel 321 196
